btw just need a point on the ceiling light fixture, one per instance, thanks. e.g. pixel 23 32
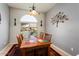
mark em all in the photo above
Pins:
pixel 33 12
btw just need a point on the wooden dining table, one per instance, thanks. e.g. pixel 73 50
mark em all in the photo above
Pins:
pixel 34 48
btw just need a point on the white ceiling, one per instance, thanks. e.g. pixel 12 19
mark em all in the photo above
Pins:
pixel 40 7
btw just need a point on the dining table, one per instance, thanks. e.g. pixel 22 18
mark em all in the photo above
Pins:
pixel 39 48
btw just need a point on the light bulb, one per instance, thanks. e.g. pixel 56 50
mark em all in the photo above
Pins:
pixel 33 13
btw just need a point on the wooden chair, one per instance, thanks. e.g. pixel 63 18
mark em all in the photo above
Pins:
pixel 19 39
pixel 47 37
pixel 21 36
pixel 42 35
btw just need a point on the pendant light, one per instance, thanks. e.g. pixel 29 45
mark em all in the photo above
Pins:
pixel 33 12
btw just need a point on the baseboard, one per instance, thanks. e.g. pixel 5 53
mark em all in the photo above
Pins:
pixel 60 51
pixel 4 51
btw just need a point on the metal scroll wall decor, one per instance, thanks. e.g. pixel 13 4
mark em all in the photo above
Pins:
pixel 59 18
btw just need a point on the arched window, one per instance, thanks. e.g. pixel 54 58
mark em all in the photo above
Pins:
pixel 28 19
pixel 27 22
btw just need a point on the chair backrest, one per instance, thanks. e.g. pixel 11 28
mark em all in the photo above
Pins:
pixel 19 39
pixel 21 36
pixel 42 35
pixel 48 37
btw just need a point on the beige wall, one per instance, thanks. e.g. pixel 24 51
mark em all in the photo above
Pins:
pixel 4 26
pixel 66 36
pixel 18 13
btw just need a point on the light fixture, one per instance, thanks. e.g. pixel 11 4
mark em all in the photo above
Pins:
pixel 0 18
pixel 41 23
pixel 59 18
pixel 33 12
pixel 14 21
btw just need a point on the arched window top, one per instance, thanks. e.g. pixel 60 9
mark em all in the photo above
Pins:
pixel 28 19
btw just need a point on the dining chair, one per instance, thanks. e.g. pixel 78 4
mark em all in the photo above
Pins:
pixel 19 39
pixel 21 36
pixel 48 37
pixel 42 34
